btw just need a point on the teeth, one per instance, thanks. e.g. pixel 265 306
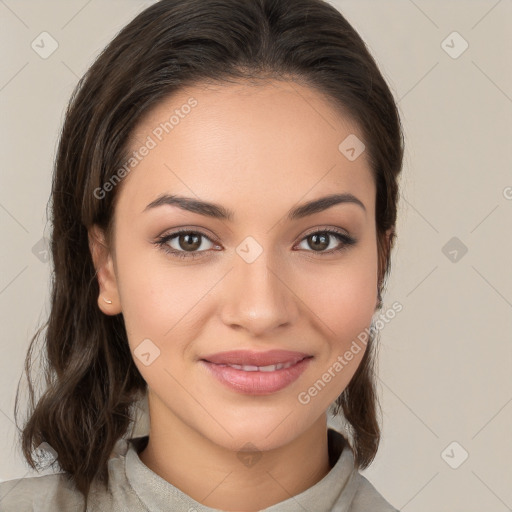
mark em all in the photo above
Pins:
pixel 245 368
pixel 269 368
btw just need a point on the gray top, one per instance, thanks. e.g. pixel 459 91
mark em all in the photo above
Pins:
pixel 134 487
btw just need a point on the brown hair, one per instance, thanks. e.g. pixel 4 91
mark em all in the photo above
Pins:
pixel 92 382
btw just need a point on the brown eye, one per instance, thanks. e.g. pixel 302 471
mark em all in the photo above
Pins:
pixel 189 241
pixel 320 241
pixel 185 243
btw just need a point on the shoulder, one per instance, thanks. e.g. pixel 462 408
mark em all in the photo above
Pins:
pixel 356 492
pixel 40 493
pixel 56 492
pixel 367 497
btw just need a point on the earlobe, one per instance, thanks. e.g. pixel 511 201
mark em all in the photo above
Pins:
pixel 108 299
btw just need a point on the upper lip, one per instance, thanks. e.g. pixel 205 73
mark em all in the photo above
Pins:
pixel 249 357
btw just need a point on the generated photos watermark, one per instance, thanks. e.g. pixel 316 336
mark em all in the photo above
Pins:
pixel 304 397
pixel 151 142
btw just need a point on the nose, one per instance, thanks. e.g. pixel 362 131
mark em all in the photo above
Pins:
pixel 258 298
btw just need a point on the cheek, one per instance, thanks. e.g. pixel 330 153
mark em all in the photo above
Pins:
pixel 343 296
pixel 342 303
pixel 154 301
pixel 163 301
pixel 158 304
pixel 160 300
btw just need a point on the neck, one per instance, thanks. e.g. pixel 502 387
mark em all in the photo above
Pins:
pixel 233 481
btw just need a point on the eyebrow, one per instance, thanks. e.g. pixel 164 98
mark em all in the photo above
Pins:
pixel 217 211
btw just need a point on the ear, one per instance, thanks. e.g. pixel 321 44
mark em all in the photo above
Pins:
pixel 104 265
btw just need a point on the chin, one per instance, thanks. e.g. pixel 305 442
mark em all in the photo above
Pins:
pixel 265 432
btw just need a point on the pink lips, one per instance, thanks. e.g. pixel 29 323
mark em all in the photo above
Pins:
pixel 257 376
pixel 248 357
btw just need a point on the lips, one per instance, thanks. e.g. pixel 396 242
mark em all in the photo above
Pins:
pixel 248 360
pixel 256 373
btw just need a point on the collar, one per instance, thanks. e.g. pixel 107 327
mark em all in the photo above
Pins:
pixel 334 489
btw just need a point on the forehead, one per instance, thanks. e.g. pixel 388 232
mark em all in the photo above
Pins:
pixel 244 146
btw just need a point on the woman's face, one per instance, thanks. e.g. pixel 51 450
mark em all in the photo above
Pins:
pixel 257 280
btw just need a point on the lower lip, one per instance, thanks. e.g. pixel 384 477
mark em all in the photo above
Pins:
pixel 257 383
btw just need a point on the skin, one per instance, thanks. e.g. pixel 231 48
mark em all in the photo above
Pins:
pixel 258 150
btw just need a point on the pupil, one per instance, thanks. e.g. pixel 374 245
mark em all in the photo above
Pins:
pixel 191 245
pixel 323 243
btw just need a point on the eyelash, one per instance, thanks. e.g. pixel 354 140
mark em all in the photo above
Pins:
pixel 161 242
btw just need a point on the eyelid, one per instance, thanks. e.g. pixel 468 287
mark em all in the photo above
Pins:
pixel 171 233
pixel 204 232
pixel 344 238
pixel 323 229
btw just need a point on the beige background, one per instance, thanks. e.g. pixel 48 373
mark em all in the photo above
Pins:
pixel 445 360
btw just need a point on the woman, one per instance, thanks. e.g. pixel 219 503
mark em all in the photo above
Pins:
pixel 224 207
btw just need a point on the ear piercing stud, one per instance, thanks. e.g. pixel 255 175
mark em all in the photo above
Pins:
pixel 107 301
